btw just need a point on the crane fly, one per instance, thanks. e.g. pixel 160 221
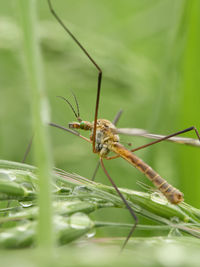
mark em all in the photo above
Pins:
pixel 105 139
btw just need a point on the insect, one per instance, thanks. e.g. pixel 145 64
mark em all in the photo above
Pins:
pixel 105 139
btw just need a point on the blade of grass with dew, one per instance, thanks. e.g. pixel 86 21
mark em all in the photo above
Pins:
pixel 77 194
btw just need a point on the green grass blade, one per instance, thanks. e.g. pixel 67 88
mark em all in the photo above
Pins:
pixel 40 117
pixel 190 99
pixel 77 194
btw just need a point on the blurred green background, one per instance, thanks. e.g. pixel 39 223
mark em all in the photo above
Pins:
pixel 149 53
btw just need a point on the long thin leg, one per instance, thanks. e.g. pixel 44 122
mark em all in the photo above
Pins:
pixel 28 149
pixel 56 126
pixel 162 139
pixel 117 117
pixel 115 121
pixel 143 133
pixel 70 131
pixel 168 136
pixel 96 170
pixel 93 62
pixel 125 202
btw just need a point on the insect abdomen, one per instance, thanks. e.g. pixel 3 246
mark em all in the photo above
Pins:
pixel 170 192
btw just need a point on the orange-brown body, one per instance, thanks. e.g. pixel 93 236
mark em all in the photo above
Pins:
pixel 107 140
pixel 171 193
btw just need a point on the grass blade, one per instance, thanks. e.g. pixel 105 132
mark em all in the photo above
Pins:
pixel 40 118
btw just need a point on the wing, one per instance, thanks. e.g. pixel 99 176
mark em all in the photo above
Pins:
pixel 144 133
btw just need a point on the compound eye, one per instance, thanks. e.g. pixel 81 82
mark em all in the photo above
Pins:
pixel 82 125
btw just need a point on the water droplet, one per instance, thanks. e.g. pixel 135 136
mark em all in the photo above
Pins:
pixel 4 175
pixel 80 221
pixel 81 190
pixel 156 197
pixel 26 204
pixel 91 233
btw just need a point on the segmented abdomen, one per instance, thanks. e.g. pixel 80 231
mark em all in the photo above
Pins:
pixel 170 192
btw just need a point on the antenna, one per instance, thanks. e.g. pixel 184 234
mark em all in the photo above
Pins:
pixel 93 62
pixel 77 114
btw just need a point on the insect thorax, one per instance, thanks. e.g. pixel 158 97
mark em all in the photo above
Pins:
pixel 105 136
